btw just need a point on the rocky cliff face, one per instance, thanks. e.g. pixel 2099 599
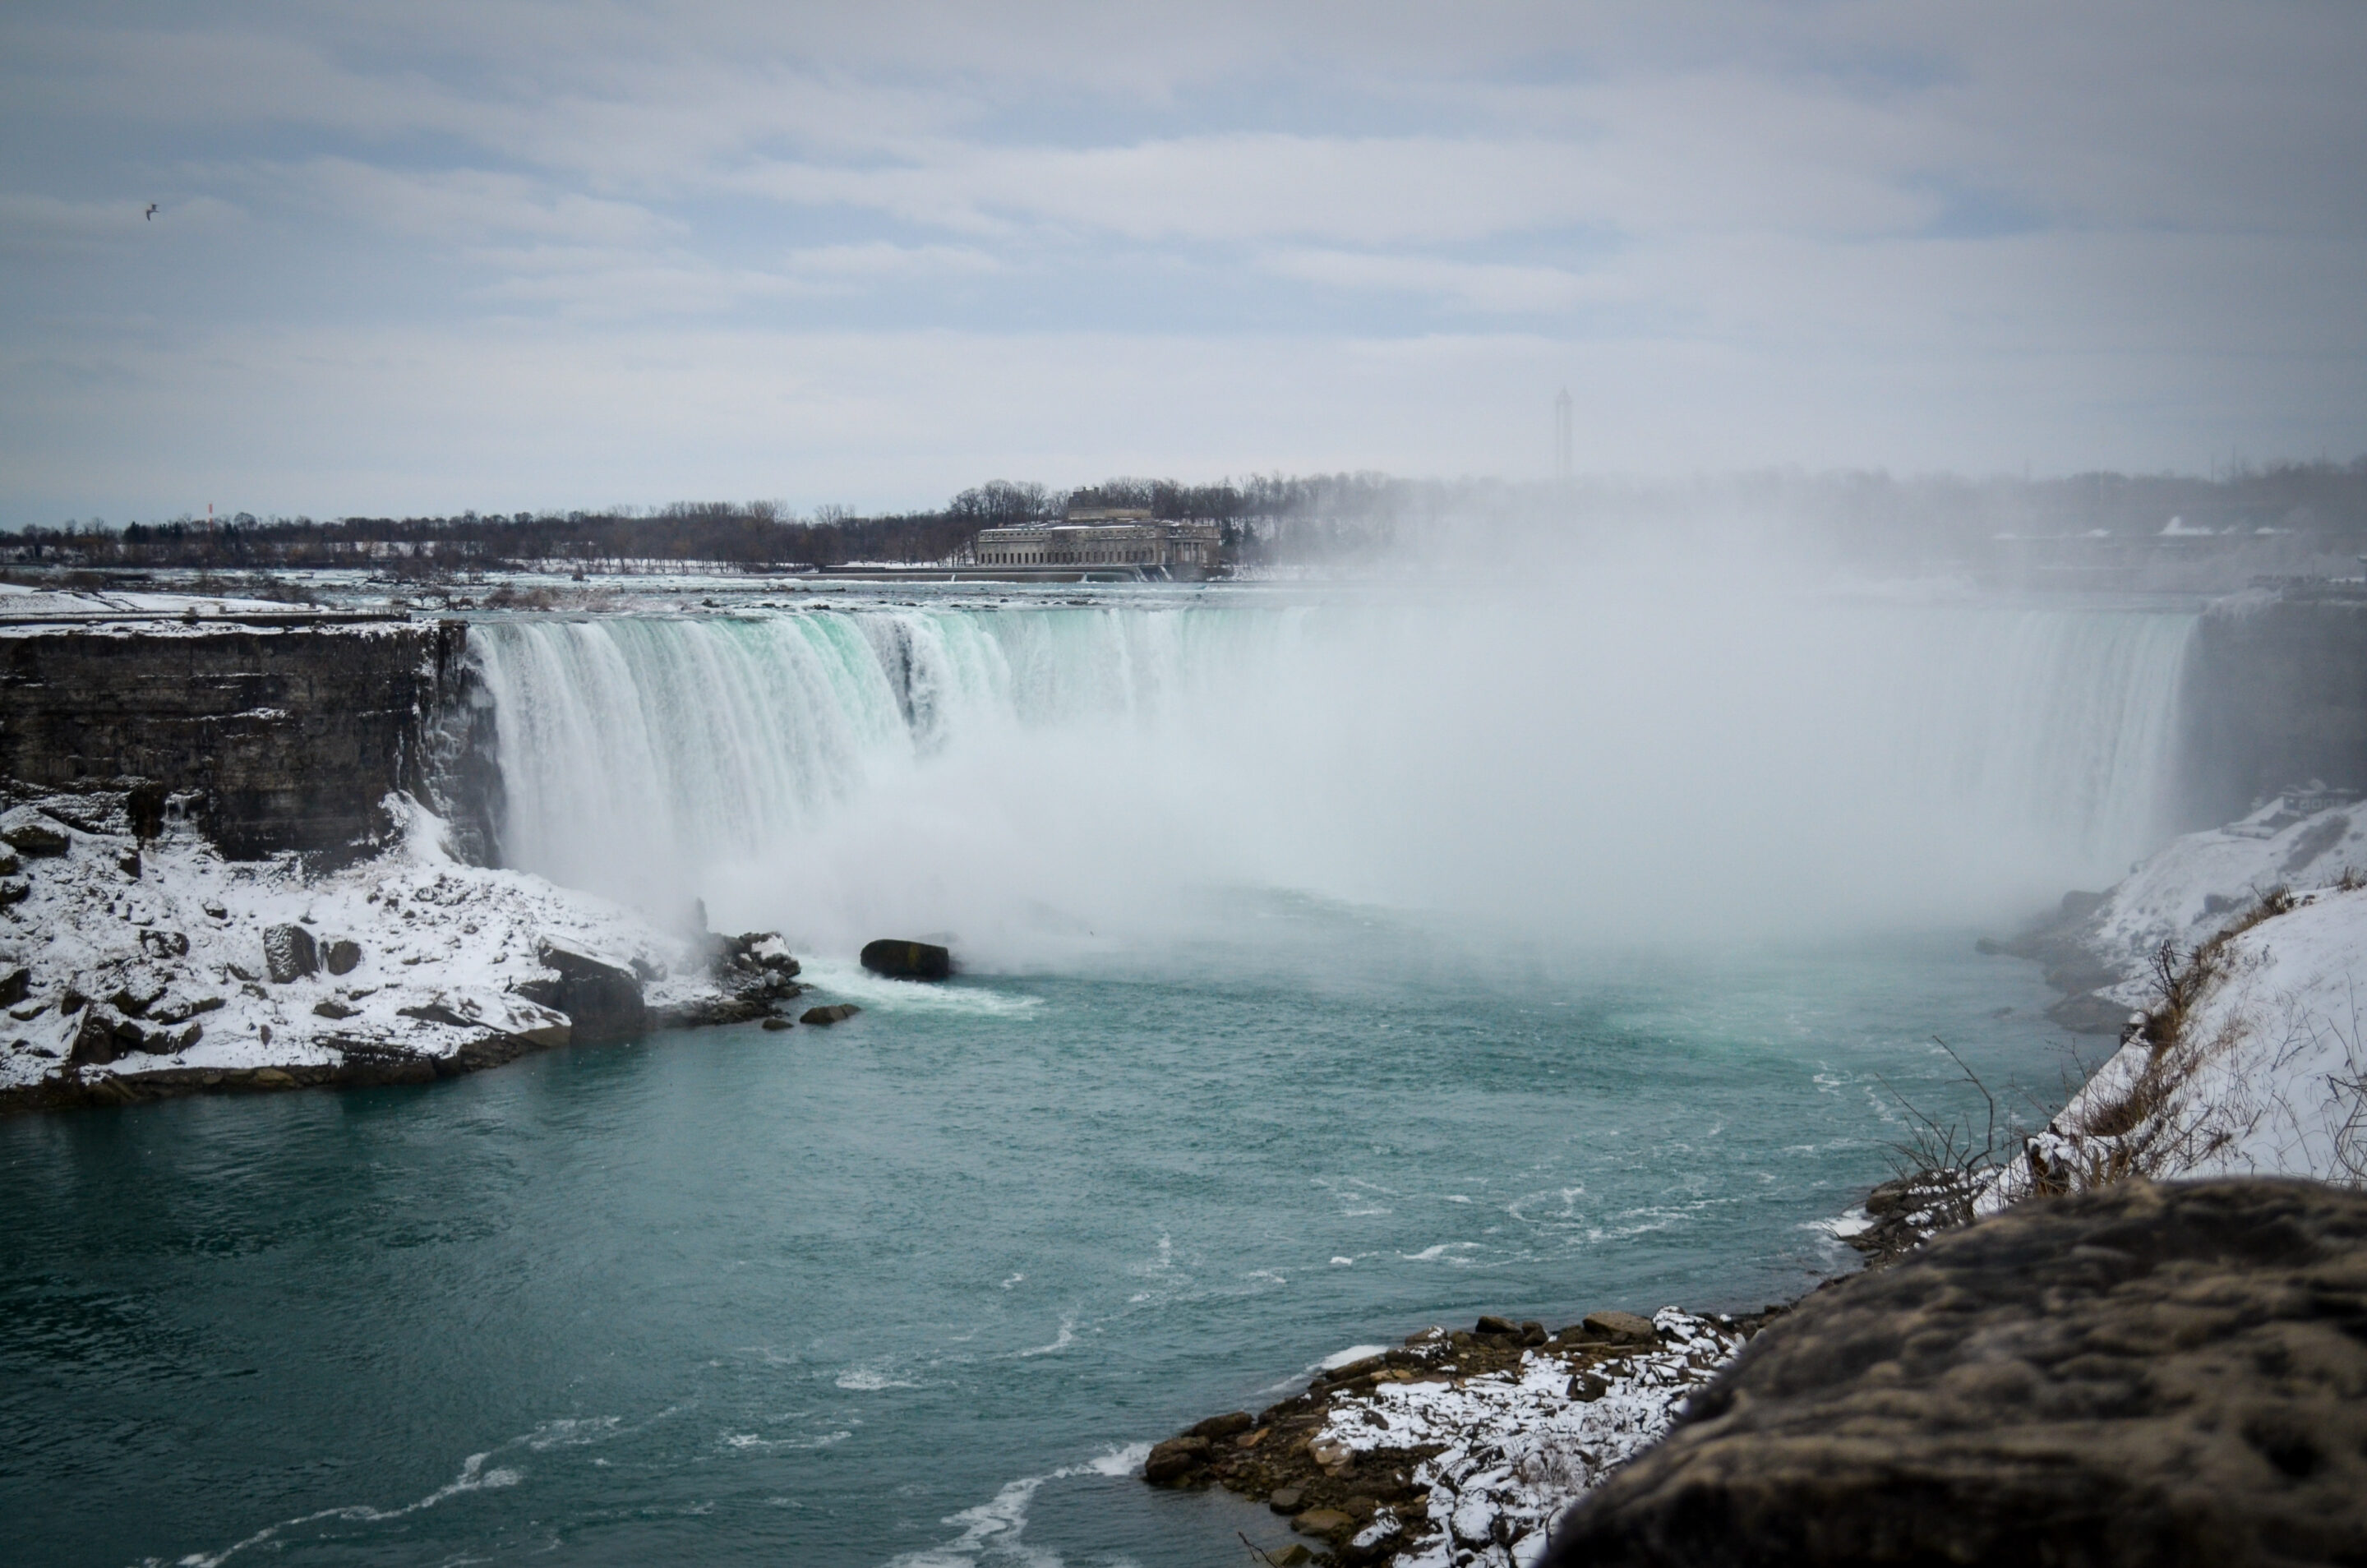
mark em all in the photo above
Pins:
pixel 2276 696
pixel 2143 1375
pixel 273 736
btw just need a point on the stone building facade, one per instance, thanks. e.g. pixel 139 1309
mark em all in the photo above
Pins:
pixel 1111 538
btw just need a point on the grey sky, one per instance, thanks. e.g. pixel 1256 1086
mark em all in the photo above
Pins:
pixel 514 255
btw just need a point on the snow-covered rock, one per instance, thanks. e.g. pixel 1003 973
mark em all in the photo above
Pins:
pixel 1456 1451
pixel 1519 1448
pixel 160 967
pixel 2259 1074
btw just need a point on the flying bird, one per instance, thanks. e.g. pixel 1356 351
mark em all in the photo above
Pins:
pixel 150 213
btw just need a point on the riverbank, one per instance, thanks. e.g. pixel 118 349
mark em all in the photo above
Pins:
pixel 2242 1054
pixel 136 962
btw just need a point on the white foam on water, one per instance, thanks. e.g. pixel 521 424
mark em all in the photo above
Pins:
pixel 474 1477
pixel 993 1529
pixel 867 1380
pixel 1125 1461
pixel 753 1440
pixel 876 992
pixel 1441 1253
pixel 574 1432
pixel 1062 1341
pixel 1343 1358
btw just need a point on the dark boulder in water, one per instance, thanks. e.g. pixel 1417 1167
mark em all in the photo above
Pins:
pixel 903 959
pixel 1175 1459
pixel 836 1012
pixel 2147 1374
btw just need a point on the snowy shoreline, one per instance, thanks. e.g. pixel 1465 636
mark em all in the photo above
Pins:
pixel 139 967
pixel 2234 959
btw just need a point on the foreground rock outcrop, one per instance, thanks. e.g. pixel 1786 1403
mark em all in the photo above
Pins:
pixel 1455 1449
pixel 2171 1374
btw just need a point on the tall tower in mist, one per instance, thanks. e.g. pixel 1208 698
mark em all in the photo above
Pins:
pixel 1562 465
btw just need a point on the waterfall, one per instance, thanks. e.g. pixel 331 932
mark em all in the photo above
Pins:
pixel 1592 764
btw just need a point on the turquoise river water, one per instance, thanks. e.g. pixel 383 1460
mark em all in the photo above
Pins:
pixel 916 1290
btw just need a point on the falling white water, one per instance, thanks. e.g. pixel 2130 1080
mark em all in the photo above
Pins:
pixel 1597 765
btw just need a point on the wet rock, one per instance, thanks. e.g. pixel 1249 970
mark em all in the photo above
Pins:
pixel 778 1023
pixel 604 1008
pixel 25 830
pixel 165 1040
pixel 271 1078
pixel 288 954
pixel 1325 1522
pixel 94 1043
pixel 1493 1325
pixel 136 994
pixel 904 960
pixel 341 956
pixel 174 1009
pixel 835 1013
pixel 2087 1013
pixel 573 963
pixel 2147 1374
pixel 769 952
pixel 1287 1500
pixel 1174 1459
pixel 601 998
pixel 165 944
pixel 1622 1328
pixel 1217 1426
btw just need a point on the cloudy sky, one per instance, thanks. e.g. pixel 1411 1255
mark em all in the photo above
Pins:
pixel 510 254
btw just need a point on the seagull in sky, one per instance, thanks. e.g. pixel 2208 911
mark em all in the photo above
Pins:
pixel 150 213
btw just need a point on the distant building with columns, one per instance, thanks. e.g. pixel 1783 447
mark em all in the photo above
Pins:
pixel 1104 536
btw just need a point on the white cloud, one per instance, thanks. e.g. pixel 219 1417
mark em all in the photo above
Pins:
pixel 1862 229
pixel 878 258
pixel 459 206
pixel 1477 286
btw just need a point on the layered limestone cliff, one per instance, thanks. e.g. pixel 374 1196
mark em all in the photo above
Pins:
pixel 270 729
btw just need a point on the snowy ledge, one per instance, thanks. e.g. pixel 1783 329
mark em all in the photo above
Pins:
pixel 1455 1449
pixel 133 970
